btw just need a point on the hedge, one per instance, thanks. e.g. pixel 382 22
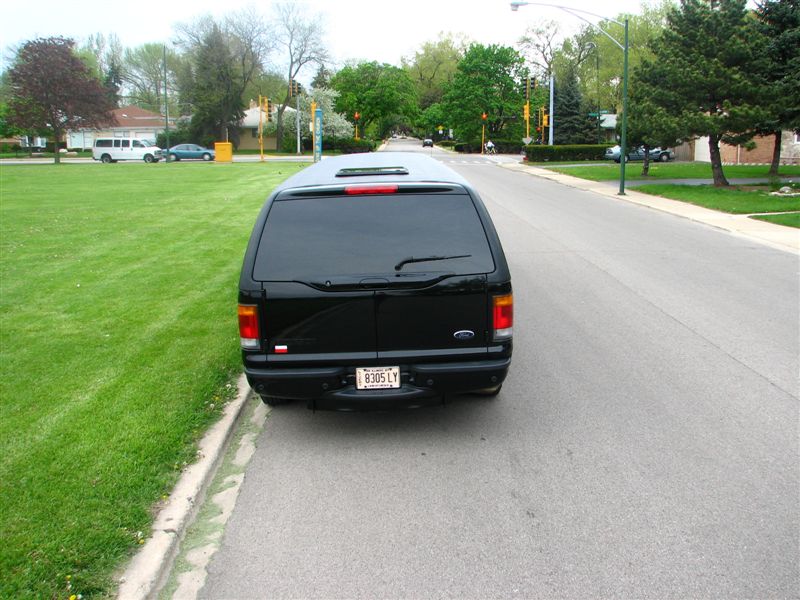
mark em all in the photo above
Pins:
pixel 538 153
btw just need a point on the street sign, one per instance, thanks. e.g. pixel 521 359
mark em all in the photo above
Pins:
pixel 527 140
pixel 318 135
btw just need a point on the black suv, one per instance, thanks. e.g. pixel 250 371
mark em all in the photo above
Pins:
pixel 374 280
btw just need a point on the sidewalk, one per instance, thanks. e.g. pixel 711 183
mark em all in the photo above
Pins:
pixel 770 234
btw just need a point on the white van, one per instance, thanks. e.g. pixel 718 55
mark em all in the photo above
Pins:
pixel 111 150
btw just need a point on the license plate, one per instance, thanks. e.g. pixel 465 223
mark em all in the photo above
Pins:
pixel 377 378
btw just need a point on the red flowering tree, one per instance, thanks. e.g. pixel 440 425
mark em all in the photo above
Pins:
pixel 52 91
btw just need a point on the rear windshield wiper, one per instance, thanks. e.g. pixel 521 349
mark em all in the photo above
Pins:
pixel 411 259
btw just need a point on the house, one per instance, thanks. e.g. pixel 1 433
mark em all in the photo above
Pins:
pixel 131 121
pixel 248 127
pixel 761 154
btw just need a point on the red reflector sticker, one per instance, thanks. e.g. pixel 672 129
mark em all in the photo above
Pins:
pixel 281 349
pixel 370 189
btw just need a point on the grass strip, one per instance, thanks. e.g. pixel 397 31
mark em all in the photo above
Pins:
pixel 118 344
pixel 787 219
pixel 673 170
pixel 734 199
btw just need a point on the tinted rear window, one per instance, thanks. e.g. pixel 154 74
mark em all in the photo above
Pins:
pixel 369 235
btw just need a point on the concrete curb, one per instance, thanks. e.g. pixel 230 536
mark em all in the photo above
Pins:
pixel 770 234
pixel 151 565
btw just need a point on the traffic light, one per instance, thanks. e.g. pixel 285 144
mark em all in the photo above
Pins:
pixel 526 111
pixel 295 88
pixel 484 116
pixel 526 88
pixel 546 120
pixel 269 109
pixel 357 116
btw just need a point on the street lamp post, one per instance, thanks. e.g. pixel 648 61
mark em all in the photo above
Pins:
pixel 166 104
pixel 623 151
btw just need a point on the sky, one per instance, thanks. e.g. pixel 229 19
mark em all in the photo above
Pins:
pixel 380 30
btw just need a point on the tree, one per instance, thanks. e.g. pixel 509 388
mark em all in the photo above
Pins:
pixel 322 79
pixel 779 23
pixel 651 126
pixel 108 56
pixel 488 80
pixel 378 92
pixel 217 103
pixel 142 74
pixel 704 74
pixel 52 90
pixel 571 124
pixel 538 45
pixel 334 125
pixel 299 35
pixel 433 67
pixel 599 61
pixel 224 58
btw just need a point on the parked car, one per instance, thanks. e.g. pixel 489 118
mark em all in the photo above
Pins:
pixel 427 142
pixel 110 150
pixel 374 280
pixel 190 151
pixel 656 154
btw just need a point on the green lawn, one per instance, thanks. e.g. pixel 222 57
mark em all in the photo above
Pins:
pixel 788 219
pixel 673 170
pixel 118 344
pixel 736 200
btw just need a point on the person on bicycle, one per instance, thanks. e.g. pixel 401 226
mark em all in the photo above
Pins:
pixel 490 147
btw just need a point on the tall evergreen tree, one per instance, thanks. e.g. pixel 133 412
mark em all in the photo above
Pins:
pixel 216 98
pixel 779 23
pixel 704 74
pixel 571 123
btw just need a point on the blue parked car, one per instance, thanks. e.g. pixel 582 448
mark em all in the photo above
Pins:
pixel 190 151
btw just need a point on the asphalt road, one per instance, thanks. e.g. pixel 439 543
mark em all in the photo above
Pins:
pixel 645 444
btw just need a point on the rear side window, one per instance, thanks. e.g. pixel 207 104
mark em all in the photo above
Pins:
pixel 102 144
pixel 307 238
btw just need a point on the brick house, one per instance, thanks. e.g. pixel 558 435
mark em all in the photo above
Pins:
pixel 739 155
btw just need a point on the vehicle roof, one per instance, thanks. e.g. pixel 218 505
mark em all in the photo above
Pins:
pixel 420 167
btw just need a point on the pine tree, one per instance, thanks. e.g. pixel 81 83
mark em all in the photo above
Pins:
pixel 704 74
pixel 779 23
pixel 571 123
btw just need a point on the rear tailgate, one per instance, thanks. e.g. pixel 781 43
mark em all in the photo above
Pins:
pixel 374 275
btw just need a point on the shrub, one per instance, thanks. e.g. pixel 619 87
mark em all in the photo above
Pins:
pixel 351 146
pixel 538 153
pixel 179 135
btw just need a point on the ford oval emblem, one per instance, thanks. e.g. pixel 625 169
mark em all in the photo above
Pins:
pixel 464 334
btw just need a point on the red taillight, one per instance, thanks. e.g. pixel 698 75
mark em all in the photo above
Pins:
pixel 503 316
pixel 248 326
pixel 370 189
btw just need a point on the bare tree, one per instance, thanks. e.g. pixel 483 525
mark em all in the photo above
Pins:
pixel 538 46
pixel 299 35
pixel 143 75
